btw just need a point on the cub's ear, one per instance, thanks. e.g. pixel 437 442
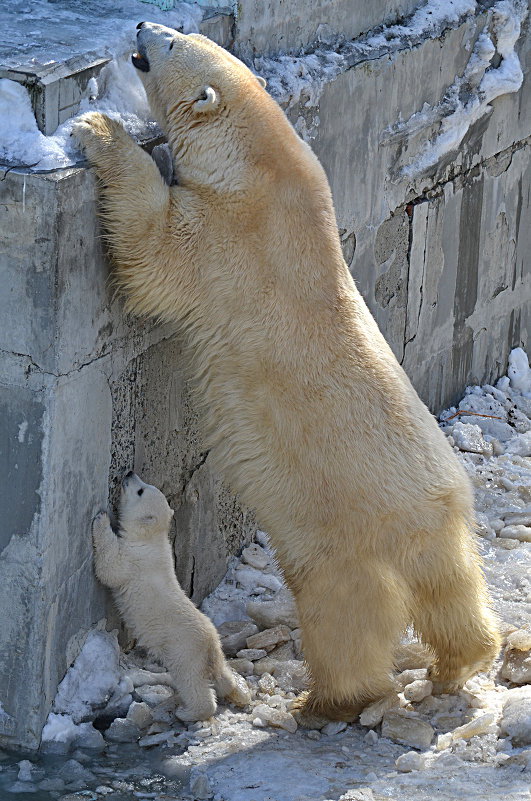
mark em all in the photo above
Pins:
pixel 261 81
pixel 207 99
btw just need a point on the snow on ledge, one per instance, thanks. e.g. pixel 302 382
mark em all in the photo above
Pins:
pixel 470 95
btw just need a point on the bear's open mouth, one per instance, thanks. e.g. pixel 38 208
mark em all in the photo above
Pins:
pixel 140 62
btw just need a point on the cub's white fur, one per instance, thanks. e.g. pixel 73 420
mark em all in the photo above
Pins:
pixel 137 565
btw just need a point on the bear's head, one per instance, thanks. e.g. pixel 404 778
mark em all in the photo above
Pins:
pixel 211 107
pixel 144 512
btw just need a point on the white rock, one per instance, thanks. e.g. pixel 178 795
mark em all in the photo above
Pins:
pixel 521 533
pixel 506 544
pixel 25 768
pixel 265 665
pixel 372 715
pixel 89 737
pixel 522 518
pixel 244 667
pixel 468 437
pixel 122 730
pixel 92 679
pixel 520 445
pixel 444 741
pixel 334 727
pixel 155 739
pixel 233 635
pixel 73 770
pixel 165 711
pixel 252 654
pixel 410 761
pixel 516 716
pixel 516 666
pixel 418 690
pixel 249 578
pixel 371 738
pixel 281 610
pixel 409 676
pixel 140 677
pixel 269 638
pixel 480 725
pixel 267 684
pixel 154 694
pixel 519 372
pixel 520 639
pixel 200 787
pixel 276 717
pixel 256 556
pixel 59 733
pixel 409 731
pixel 259 723
pixel 291 675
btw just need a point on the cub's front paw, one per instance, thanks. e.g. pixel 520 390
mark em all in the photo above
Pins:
pixel 100 524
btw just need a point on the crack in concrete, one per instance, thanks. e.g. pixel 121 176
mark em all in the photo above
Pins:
pixel 193 470
pixel 37 367
pixel 472 172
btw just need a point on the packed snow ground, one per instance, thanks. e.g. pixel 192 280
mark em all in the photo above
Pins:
pixel 112 732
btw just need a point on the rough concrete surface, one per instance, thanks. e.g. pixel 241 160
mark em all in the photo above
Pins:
pixel 85 393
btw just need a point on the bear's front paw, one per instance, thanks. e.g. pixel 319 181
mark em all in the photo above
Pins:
pixel 94 130
pixel 100 524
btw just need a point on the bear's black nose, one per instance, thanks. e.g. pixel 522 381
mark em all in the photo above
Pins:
pixel 129 474
pixel 140 25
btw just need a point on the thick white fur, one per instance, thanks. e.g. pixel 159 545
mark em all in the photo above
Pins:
pixel 305 409
pixel 137 565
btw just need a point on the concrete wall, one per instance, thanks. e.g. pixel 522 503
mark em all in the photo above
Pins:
pixel 440 256
pixel 84 395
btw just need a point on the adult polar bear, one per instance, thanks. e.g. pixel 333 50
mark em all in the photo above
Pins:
pixel 305 409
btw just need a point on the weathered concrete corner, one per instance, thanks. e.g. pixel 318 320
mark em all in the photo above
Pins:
pixel 85 394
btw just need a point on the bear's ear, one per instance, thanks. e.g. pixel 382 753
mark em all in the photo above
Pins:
pixel 148 519
pixel 261 81
pixel 207 99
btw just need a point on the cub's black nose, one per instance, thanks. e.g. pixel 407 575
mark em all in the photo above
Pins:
pixel 139 25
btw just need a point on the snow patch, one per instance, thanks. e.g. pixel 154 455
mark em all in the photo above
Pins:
pixel 117 92
pixel 469 97
pixel 293 79
pixel 92 679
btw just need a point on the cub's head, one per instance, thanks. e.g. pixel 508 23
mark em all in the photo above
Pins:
pixel 208 103
pixel 144 511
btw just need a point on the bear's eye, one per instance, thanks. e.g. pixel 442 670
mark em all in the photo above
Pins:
pixel 140 491
pixel 172 43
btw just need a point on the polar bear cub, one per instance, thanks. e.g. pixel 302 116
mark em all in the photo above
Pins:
pixel 137 565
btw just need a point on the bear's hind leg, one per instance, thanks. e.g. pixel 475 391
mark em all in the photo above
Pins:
pixel 224 682
pixel 452 616
pixel 351 617
pixel 198 700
